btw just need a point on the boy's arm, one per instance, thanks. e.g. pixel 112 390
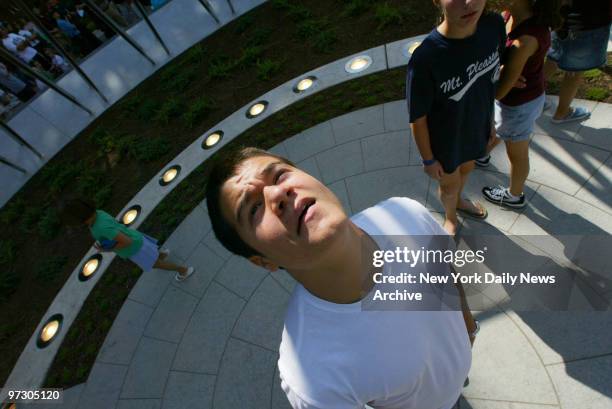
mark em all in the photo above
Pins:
pixel 522 48
pixel 122 240
pixel 420 131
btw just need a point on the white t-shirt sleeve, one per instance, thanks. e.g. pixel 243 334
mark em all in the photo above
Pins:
pixel 297 402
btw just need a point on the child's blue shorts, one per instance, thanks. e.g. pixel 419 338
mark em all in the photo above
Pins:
pixel 580 51
pixel 516 123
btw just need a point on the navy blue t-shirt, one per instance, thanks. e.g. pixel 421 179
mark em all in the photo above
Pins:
pixel 453 82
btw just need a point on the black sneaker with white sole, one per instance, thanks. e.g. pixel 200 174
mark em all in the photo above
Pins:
pixel 501 195
pixel 483 162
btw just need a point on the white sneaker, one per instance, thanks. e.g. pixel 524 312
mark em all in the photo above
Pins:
pixel 164 252
pixel 181 278
pixel 501 195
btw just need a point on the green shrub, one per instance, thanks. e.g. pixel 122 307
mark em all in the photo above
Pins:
pixel 197 111
pixel 309 28
pixel 49 224
pixel 244 23
pixel 7 252
pixel 298 13
pixel 181 81
pixel 281 4
pixel 102 195
pixel 323 41
pixel 9 281
pixel 196 55
pixel 50 269
pixel 58 175
pixel 387 15
pixel 594 73
pixel 30 217
pixel 249 57
pixel 356 7
pixel 169 110
pixel 597 93
pixel 11 211
pixel 259 37
pixel 131 104
pixel 147 109
pixel 267 68
pixel 219 67
pixel 150 149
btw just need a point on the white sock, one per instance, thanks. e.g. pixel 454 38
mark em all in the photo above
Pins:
pixel 510 195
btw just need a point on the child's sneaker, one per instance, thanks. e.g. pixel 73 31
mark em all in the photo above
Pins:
pixel 483 162
pixel 501 195
pixel 188 274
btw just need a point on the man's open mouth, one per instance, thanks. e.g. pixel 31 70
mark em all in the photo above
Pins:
pixel 302 217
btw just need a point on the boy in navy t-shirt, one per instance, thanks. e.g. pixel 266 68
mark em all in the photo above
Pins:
pixel 450 92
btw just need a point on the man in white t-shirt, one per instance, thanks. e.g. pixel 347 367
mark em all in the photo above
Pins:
pixel 20 46
pixel 335 354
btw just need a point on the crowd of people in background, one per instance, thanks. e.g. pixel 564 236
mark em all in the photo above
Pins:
pixel 74 25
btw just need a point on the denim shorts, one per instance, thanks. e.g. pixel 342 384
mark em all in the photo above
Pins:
pixel 515 123
pixel 147 255
pixel 581 50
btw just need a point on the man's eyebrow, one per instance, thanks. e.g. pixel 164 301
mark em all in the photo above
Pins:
pixel 243 200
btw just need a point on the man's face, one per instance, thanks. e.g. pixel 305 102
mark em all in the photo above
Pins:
pixel 282 212
pixel 462 13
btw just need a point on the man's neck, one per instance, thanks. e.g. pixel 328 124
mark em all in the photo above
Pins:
pixel 345 275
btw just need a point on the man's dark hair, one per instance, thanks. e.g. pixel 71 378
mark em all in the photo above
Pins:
pixel 224 169
pixel 76 211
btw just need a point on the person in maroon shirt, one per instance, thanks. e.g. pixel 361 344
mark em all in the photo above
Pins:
pixel 579 45
pixel 528 25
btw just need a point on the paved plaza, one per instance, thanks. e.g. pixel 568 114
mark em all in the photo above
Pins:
pixel 212 341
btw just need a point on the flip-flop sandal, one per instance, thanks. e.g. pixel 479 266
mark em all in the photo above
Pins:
pixel 576 114
pixel 481 214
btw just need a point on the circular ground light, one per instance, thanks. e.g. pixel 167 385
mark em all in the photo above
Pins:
pixel 304 84
pixel 49 331
pixel 169 175
pixel 90 267
pixel 131 215
pixel 257 109
pixel 212 139
pixel 358 64
pixel 409 48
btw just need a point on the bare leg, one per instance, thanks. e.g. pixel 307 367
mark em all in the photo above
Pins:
pixel 518 154
pixel 550 67
pixel 569 87
pixel 165 265
pixel 450 186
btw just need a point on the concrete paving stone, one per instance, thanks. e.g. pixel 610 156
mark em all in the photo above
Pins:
pixel 310 166
pixel 491 404
pixel 203 343
pixel 584 384
pixel 598 189
pixel 357 124
pixel 134 314
pixel 245 377
pixel 501 349
pixel 120 343
pixel 568 130
pixel 242 6
pixel 284 279
pixel 396 116
pixel 499 216
pixel 148 371
pixel 561 336
pixel 103 386
pixel 70 400
pixel 262 320
pixel 340 162
pixel 386 150
pixel 339 189
pixel 279 150
pixel 561 164
pixel 188 390
pixel 241 276
pixel 314 140
pixel 55 109
pixel 580 233
pixel 12 180
pixel 151 286
pixel 370 188
pixel 597 130
pixel 139 404
pixel 190 232
pixel 171 315
pixel 221 9
pixel 279 399
pixel 212 243
pixel 206 264
pixel 19 155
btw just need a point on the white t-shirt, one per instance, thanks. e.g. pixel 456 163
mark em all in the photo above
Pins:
pixel 336 356
pixel 12 41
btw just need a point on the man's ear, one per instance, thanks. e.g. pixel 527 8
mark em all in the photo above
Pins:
pixel 263 262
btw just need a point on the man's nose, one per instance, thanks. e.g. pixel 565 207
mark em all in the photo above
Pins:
pixel 277 196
